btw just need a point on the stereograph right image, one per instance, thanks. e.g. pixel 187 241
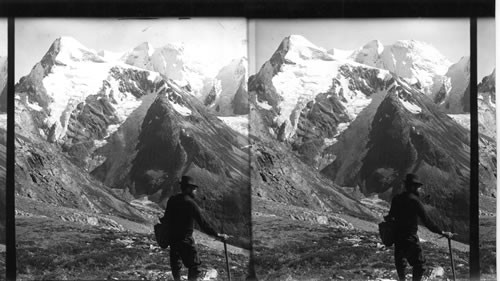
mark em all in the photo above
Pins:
pixel 357 125
pixel 486 103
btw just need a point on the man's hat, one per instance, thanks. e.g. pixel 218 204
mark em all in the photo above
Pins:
pixel 188 181
pixel 412 179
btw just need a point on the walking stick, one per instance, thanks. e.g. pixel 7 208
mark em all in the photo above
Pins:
pixel 227 260
pixel 225 245
pixel 451 258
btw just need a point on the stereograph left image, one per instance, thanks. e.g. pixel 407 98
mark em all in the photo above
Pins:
pixel 126 129
pixel 3 136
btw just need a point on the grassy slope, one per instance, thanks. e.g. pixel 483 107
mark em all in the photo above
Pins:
pixel 291 250
pixel 57 250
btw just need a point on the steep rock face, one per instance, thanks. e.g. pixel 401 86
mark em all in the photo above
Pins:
pixel 406 133
pixel 178 136
pixel 457 98
pixel 417 61
pixel 229 91
pixel 78 99
pixel 487 105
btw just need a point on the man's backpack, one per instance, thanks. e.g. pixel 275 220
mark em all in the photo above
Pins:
pixel 386 231
pixel 162 234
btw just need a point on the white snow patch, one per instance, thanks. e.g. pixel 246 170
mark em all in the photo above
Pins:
pixel 34 106
pixel 413 108
pixel 462 119
pixel 182 110
pixel 238 123
pixel 3 120
pixel 264 105
pixel 100 143
pixel 329 142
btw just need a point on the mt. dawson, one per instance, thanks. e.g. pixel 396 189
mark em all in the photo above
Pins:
pixel 106 135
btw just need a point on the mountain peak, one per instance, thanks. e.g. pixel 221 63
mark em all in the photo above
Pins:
pixel 68 42
pixel 66 50
pixel 369 54
pixel 145 46
pixel 297 48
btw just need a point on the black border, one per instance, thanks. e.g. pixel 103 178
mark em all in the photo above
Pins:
pixel 10 223
pixel 282 9
pixel 249 9
pixel 474 260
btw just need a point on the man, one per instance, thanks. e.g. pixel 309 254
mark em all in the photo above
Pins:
pixel 180 215
pixel 405 210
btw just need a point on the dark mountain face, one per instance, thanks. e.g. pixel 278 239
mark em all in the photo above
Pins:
pixel 3 100
pixel 177 136
pixel 407 133
pixel 240 101
pixel 488 86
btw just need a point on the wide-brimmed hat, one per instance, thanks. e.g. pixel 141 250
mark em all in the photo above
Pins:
pixel 412 179
pixel 187 181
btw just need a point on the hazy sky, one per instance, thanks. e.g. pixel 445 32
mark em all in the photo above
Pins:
pixel 486 48
pixel 3 36
pixel 219 40
pixel 449 36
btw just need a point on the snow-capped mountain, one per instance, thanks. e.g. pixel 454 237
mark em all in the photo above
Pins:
pixel 229 93
pixel 223 91
pixel 417 61
pixel 302 84
pixel 79 98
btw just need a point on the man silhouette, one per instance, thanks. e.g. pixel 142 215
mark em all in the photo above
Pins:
pixel 180 215
pixel 405 210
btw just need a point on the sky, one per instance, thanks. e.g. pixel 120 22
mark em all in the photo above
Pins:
pixel 449 36
pixel 3 37
pixel 217 40
pixel 486 55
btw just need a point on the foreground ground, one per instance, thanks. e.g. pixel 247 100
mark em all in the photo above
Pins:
pixel 49 249
pixel 487 237
pixel 287 248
